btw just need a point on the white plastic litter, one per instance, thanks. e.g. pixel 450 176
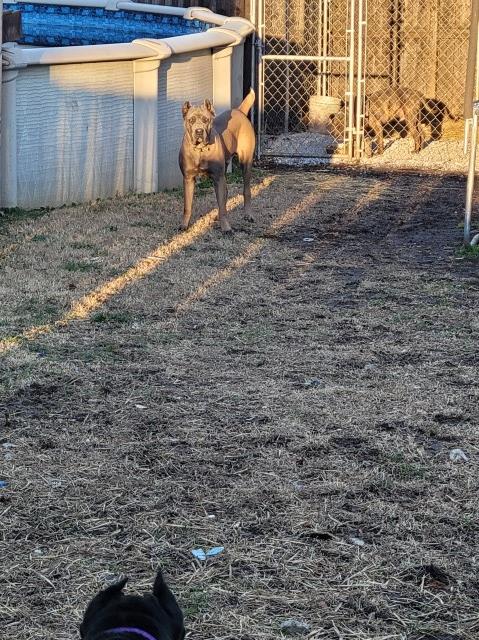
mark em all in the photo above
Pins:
pixel 457 455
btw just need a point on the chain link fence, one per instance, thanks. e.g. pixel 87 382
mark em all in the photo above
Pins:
pixel 303 75
pixel 415 69
pixel 414 54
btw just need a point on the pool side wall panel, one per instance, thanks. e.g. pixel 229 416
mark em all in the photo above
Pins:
pixel 88 122
pixel 74 133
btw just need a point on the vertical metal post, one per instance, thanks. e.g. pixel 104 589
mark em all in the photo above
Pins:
pixel 471 177
pixel 471 70
pixel 360 81
pixel 254 35
pixel 1 66
pixel 350 91
pixel 324 47
pixel 328 41
pixel 469 122
pixel 287 83
pixel 319 49
pixel 259 53
pixel 476 88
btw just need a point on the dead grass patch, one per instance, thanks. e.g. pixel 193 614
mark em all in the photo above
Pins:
pixel 291 392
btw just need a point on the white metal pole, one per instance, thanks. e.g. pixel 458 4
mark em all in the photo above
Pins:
pixel 319 48
pixel 287 84
pixel 259 53
pixel 471 71
pixel 360 80
pixel 322 26
pixel 471 177
pixel 325 88
pixel 350 92
pixel 254 35
pixel 1 66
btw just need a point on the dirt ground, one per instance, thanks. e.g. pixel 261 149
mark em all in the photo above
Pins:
pixel 292 393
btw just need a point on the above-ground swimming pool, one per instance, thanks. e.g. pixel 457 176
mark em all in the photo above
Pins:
pixel 92 96
pixel 53 25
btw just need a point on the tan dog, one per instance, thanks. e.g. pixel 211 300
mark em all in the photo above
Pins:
pixel 208 145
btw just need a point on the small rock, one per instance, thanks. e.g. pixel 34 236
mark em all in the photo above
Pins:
pixel 434 446
pixel 457 455
pixel 313 382
pixel 8 456
pixel 295 627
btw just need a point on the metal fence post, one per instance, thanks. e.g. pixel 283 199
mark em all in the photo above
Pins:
pixel 471 178
pixel 1 66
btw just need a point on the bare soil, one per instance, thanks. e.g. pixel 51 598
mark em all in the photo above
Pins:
pixel 292 393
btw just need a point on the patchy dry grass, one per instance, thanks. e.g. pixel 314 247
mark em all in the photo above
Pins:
pixel 293 400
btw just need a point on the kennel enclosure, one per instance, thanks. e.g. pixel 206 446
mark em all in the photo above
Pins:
pixel 319 58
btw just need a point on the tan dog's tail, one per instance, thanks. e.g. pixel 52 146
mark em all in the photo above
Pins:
pixel 247 103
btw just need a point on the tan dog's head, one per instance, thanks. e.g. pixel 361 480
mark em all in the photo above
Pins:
pixel 198 123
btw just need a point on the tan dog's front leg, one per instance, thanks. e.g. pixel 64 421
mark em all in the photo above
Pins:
pixel 188 188
pixel 247 190
pixel 221 191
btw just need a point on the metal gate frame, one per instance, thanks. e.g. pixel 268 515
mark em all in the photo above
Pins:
pixel 355 72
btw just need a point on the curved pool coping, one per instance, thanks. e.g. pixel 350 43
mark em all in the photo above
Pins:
pixel 226 32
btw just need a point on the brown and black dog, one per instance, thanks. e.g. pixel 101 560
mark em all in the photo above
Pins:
pixel 394 104
pixel 408 109
pixel 208 145
pixel 113 616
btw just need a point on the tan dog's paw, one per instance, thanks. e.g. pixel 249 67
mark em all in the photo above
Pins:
pixel 225 226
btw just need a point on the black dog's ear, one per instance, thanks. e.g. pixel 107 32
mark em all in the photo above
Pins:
pixel 209 106
pixel 160 588
pixel 99 601
pixel 185 108
pixel 168 602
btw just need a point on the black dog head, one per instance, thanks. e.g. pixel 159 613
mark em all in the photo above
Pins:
pixel 198 123
pixel 433 113
pixel 113 616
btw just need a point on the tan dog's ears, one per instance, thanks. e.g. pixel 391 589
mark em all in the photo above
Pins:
pixel 209 107
pixel 185 108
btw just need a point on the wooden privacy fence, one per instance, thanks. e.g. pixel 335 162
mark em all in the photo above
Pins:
pixel 224 7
